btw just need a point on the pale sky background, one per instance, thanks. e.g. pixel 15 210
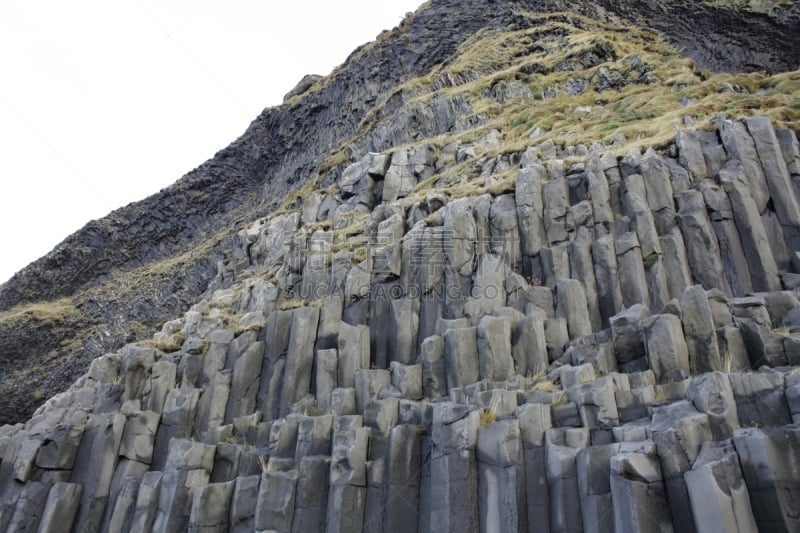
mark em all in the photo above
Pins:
pixel 103 103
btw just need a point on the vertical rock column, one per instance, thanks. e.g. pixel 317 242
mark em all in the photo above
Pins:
pixel 311 501
pixel 632 277
pixel 403 479
pixel 701 242
pixel 667 353
pixel 571 305
pixel 504 230
pixel 609 294
pixel 276 497
pixel 534 421
pixel 582 269
pixel 755 243
pixel 719 496
pixel 348 479
pixel 62 504
pixel 94 468
pixel 454 505
pixel 698 326
pixel 494 349
pixel 528 196
pixel 461 356
pixel 30 509
pixel 731 253
pixel 177 421
pixel 276 343
pixel 189 466
pixel 594 483
pixel 769 459
pixel 243 503
pixel 637 493
pixel 458 242
pixel 501 478
pixel 778 179
pixel 434 367
pixel 562 448
pixel 211 508
pixel 245 381
pixel 299 357
pixel 679 431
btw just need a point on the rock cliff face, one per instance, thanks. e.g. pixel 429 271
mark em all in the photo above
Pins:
pixel 525 276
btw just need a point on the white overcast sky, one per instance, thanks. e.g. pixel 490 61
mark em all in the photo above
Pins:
pixel 105 102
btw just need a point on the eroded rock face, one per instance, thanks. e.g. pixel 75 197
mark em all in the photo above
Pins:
pixel 579 342
pixel 401 406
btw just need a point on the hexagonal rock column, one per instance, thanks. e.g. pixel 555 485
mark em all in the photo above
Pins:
pixel 667 354
pixel 454 505
pixel 501 477
pixel 679 432
pixel 770 459
pixel 62 505
pixel 719 496
pixel 275 508
pixel 299 357
pixel 637 493
pixel 347 493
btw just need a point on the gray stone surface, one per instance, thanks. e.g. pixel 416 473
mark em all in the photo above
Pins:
pixel 311 501
pixel 299 357
pixel 666 347
pixel 495 362
pixel 60 510
pixel 609 294
pixel 767 457
pixel 461 357
pixel 571 305
pixel 679 432
pixel 777 175
pixel 712 394
pixel 407 379
pixel 504 230
pixel 210 505
pixel 632 278
pixel 353 353
pixel 717 490
pixel 755 244
pixel 698 328
pixel 434 367
pixel 637 490
pixel 495 368
pixel 555 199
pixel 276 499
pixel 702 248
pixel 528 197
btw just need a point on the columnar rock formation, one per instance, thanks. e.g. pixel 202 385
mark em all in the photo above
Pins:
pixel 461 327
pixel 604 348
pixel 123 275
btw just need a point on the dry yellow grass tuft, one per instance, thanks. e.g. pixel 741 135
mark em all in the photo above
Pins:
pixel 53 312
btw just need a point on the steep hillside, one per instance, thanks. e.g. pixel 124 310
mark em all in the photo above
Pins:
pixel 507 269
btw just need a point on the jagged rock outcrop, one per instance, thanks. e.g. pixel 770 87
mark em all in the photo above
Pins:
pixel 489 311
pixel 128 272
pixel 506 408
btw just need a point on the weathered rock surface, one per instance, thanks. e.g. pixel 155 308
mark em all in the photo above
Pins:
pixel 587 344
